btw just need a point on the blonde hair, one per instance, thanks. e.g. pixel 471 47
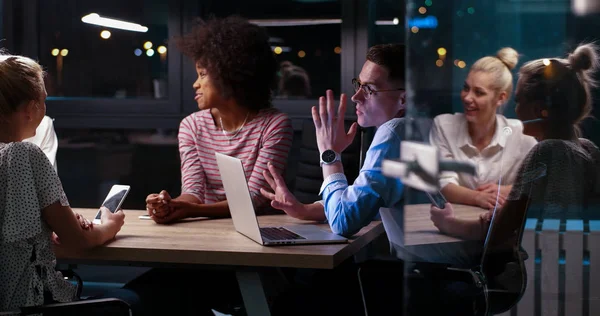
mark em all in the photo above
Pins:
pixel 561 86
pixel 21 81
pixel 500 67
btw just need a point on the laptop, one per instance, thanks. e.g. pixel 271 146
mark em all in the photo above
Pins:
pixel 244 216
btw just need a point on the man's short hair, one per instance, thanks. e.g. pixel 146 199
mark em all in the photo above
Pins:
pixel 391 57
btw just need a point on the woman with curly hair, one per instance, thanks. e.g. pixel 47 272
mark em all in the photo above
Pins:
pixel 236 73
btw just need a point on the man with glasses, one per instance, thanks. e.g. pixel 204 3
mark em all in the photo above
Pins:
pixel 380 102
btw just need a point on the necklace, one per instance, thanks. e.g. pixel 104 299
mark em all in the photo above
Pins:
pixel 237 131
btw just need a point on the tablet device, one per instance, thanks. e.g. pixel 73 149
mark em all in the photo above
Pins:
pixel 113 200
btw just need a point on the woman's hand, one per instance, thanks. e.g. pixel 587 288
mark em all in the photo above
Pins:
pixel 281 198
pixel 488 199
pixel 176 211
pixel 157 204
pixel 442 217
pixel 114 220
pixel 85 224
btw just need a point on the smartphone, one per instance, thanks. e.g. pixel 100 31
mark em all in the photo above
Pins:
pixel 113 200
pixel 437 199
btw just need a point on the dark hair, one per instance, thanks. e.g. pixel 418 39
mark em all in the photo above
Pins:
pixel 391 57
pixel 561 86
pixel 237 56
pixel 294 81
pixel 20 82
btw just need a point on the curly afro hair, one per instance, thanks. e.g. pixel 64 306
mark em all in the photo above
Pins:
pixel 238 57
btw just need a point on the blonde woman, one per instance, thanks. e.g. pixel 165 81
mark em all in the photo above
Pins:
pixel 560 176
pixel 495 144
pixel 33 205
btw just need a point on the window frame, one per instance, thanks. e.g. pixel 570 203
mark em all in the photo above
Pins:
pixel 81 112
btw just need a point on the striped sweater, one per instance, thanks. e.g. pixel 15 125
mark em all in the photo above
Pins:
pixel 265 138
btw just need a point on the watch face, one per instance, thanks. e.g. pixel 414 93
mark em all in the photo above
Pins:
pixel 328 156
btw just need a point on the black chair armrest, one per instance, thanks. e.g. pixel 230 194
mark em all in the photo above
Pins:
pixel 112 306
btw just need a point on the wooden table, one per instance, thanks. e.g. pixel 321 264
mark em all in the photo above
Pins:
pixel 215 242
pixel 419 229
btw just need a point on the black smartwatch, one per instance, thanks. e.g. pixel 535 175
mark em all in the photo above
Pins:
pixel 329 156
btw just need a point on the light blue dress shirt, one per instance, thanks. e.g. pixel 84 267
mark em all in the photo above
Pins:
pixel 349 208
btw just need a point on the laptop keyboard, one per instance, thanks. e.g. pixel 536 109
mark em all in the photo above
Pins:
pixel 278 233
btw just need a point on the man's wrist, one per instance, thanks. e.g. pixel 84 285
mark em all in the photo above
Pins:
pixel 329 156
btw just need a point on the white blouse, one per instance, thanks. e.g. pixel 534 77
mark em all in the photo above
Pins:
pixel 45 138
pixel 28 184
pixel 500 160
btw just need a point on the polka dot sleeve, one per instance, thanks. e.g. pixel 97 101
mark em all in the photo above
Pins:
pixel 31 185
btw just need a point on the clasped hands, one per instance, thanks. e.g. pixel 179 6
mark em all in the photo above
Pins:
pixel 163 209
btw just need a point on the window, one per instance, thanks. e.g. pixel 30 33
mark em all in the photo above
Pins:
pixel 84 59
pixel 388 25
pixel 305 36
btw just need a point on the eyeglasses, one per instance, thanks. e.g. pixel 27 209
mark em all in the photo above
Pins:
pixel 367 90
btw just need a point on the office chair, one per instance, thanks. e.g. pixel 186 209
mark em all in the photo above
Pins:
pixel 492 287
pixel 100 306
pixel 309 175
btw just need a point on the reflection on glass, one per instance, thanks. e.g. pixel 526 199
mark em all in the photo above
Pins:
pixel 549 187
pixel 105 49
pixel 305 37
pixel 386 22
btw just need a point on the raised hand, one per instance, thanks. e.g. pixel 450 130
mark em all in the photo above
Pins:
pixel 329 124
pixel 281 197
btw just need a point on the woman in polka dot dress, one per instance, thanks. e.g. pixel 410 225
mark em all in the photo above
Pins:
pixel 34 211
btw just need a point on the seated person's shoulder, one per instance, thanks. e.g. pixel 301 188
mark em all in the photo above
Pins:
pixel 550 149
pixel 195 120
pixel 396 124
pixel 514 124
pixel 46 123
pixel 273 113
pixel 274 117
pixel 22 147
pixel 24 150
pixel 589 146
pixel 448 120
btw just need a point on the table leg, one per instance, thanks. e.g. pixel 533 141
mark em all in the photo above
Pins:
pixel 253 293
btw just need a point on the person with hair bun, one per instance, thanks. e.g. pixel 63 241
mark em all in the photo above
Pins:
pixel 34 210
pixel 493 143
pixel 560 176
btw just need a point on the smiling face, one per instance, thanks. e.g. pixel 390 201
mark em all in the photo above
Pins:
pixel 380 107
pixel 206 94
pixel 480 101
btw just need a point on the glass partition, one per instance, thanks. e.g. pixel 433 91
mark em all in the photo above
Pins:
pixel 447 106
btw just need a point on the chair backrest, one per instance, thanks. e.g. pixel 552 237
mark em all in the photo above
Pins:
pixel 102 306
pixel 502 262
pixel 308 175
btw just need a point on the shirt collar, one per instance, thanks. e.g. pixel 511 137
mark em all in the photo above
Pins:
pixel 464 140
